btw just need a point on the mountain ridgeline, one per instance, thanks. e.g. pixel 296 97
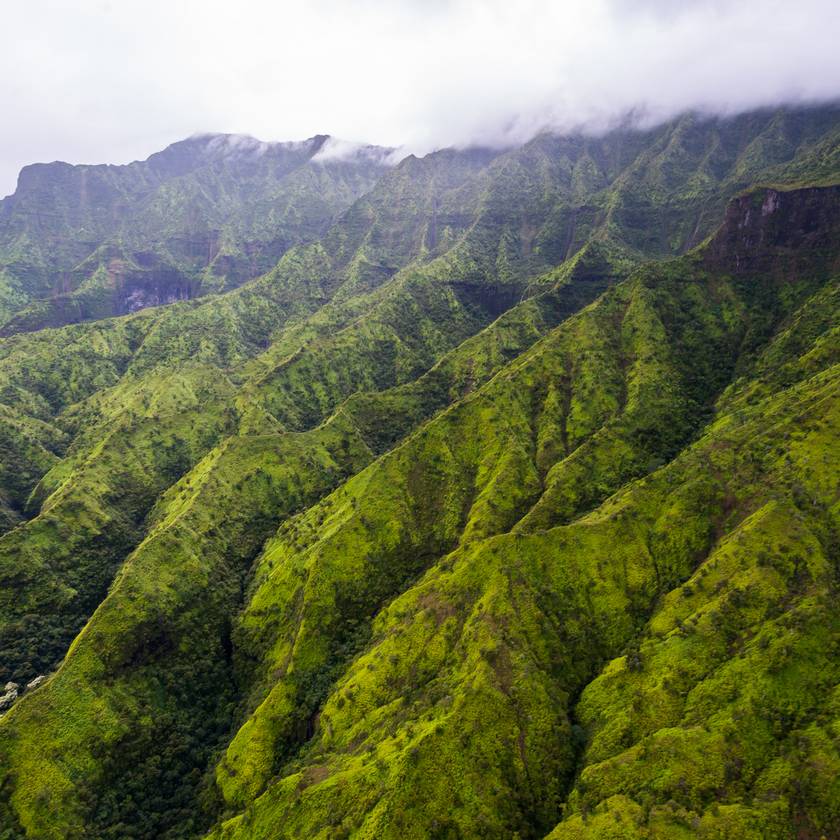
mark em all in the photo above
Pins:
pixel 487 494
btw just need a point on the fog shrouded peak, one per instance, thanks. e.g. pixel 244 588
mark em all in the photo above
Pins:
pixel 336 149
pixel 234 145
pixel 100 81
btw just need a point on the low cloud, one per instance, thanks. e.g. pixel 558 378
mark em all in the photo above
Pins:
pixel 98 81
pixel 235 145
pixel 337 149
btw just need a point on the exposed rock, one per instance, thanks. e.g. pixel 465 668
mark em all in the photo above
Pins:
pixel 794 231
pixel 9 697
pixel 36 682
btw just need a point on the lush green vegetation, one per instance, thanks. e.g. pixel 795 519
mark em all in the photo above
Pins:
pixel 202 216
pixel 506 506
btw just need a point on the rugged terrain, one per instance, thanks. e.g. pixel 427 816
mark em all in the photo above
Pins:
pixel 504 504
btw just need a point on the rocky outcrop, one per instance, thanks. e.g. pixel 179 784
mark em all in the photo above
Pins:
pixel 778 231
pixel 12 691
pixel 7 699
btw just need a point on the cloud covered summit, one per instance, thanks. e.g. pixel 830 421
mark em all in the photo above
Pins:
pixel 106 81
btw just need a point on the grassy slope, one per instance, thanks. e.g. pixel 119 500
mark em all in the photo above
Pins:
pixel 472 221
pixel 94 503
pixel 253 480
pixel 487 460
pixel 451 710
pixel 230 333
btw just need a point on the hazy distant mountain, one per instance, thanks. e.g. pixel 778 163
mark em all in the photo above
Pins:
pixel 203 215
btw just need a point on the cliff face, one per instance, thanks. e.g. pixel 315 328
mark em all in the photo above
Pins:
pixel 212 212
pixel 776 231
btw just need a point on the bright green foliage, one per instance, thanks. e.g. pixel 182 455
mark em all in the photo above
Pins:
pixel 57 566
pixel 542 610
pixel 462 521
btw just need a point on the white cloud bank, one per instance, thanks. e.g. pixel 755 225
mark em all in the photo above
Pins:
pixel 108 81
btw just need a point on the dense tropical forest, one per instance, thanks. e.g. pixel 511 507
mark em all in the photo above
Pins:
pixel 483 494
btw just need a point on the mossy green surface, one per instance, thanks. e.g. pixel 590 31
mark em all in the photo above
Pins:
pixel 548 601
pixel 460 522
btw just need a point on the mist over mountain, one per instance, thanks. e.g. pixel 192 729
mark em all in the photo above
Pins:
pixel 111 82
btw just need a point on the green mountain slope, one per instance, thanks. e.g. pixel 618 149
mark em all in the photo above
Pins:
pixel 402 538
pixel 354 321
pixel 456 714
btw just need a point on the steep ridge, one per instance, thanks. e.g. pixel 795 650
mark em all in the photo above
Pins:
pixel 44 373
pixel 459 639
pixel 160 368
pixel 502 627
pixel 261 399
pixel 252 480
pixel 345 301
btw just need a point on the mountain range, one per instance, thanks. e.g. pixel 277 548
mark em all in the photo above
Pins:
pixel 489 493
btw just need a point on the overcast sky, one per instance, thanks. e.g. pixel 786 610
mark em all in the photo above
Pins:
pixel 114 80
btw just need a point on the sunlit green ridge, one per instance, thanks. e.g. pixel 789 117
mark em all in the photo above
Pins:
pixel 504 505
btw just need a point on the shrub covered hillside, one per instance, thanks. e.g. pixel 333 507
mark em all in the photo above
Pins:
pixel 505 504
